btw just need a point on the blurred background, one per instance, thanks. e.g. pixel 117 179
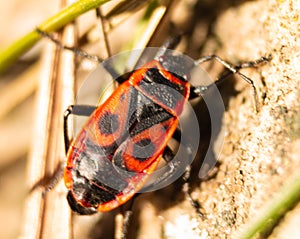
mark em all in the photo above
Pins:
pixel 17 100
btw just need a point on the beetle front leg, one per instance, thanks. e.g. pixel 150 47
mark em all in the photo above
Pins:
pixel 84 110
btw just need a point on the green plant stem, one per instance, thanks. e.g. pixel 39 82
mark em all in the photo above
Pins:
pixel 286 199
pixel 68 14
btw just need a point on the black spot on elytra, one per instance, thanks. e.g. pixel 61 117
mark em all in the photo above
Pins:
pixel 143 149
pixel 108 123
pixel 143 142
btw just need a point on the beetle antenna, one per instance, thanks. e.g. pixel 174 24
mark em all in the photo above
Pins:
pixel 69 48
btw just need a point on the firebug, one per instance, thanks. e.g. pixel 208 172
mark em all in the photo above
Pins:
pixel 125 138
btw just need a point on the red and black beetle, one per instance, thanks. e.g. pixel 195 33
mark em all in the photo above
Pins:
pixel 130 131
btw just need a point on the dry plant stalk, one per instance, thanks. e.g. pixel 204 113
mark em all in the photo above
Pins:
pixel 48 215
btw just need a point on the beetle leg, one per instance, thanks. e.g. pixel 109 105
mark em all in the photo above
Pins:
pixel 197 91
pixel 123 221
pixel 187 191
pixel 84 110
pixel 168 156
pixel 126 221
pixel 48 182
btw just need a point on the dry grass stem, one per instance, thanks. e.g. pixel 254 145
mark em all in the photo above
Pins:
pixel 49 216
